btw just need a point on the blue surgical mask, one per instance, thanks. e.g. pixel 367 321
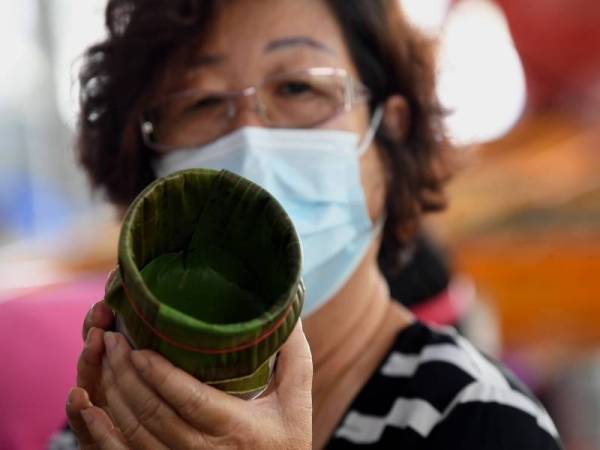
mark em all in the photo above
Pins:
pixel 315 175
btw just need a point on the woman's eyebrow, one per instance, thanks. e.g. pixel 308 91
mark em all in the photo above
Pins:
pixel 295 41
pixel 195 61
pixel 202 60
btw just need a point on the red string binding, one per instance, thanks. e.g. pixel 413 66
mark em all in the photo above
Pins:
pixel 208 351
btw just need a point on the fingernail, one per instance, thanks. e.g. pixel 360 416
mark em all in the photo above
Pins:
pixel 88 417
pixel 110 341
pixel 140 361
pixel 69 395
pixel 88 339
pixel 111 276
pixel 94 315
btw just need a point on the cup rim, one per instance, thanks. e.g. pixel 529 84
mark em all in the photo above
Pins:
pixel 129 269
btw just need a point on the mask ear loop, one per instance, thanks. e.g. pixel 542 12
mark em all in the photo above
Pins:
pixel 370 134
pixel 377 227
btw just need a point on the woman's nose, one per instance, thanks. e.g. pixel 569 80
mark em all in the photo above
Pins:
pixel 247 114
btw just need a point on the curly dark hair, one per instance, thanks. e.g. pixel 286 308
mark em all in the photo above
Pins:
pixel 118 75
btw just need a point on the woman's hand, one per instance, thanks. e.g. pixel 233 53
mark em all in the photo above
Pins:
pixel 89 368
pixel 154 405
pixel 89 372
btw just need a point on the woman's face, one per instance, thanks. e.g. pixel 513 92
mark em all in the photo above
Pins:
pixel 251 40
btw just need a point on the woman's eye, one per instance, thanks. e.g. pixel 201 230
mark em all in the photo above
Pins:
pixel 206 103
pixel 294 88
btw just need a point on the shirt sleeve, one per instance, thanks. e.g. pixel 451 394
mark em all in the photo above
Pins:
pixel 484 419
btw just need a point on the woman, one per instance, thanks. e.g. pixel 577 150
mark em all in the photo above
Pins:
pixel 331 100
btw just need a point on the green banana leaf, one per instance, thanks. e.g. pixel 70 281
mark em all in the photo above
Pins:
pixel 209 276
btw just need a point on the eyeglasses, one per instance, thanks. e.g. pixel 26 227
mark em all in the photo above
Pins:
pixel 300 99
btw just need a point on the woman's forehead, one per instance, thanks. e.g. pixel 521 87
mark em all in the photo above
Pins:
pixel 248 40
pixel 255 20
pixel 244 30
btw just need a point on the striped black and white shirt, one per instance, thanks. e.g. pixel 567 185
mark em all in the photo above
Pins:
pixel 435 391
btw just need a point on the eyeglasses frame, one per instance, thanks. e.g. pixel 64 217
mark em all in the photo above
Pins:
pixel 354 91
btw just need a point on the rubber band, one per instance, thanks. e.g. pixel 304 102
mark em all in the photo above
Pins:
pixel 207 351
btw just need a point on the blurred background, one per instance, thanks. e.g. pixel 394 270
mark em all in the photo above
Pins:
pixel 521 238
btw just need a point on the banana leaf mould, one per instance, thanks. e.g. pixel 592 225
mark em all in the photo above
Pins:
pixel 210 277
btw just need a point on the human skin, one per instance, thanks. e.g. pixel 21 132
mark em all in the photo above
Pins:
pixel 363 315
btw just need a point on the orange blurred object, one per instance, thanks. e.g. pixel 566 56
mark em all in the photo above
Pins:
pixel 524 223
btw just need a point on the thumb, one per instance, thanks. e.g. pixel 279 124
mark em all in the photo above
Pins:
pixel 294 372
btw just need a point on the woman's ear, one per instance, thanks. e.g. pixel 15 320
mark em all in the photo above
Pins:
pixel 396 117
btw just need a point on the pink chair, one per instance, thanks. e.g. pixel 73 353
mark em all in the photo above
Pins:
pixel 40 341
